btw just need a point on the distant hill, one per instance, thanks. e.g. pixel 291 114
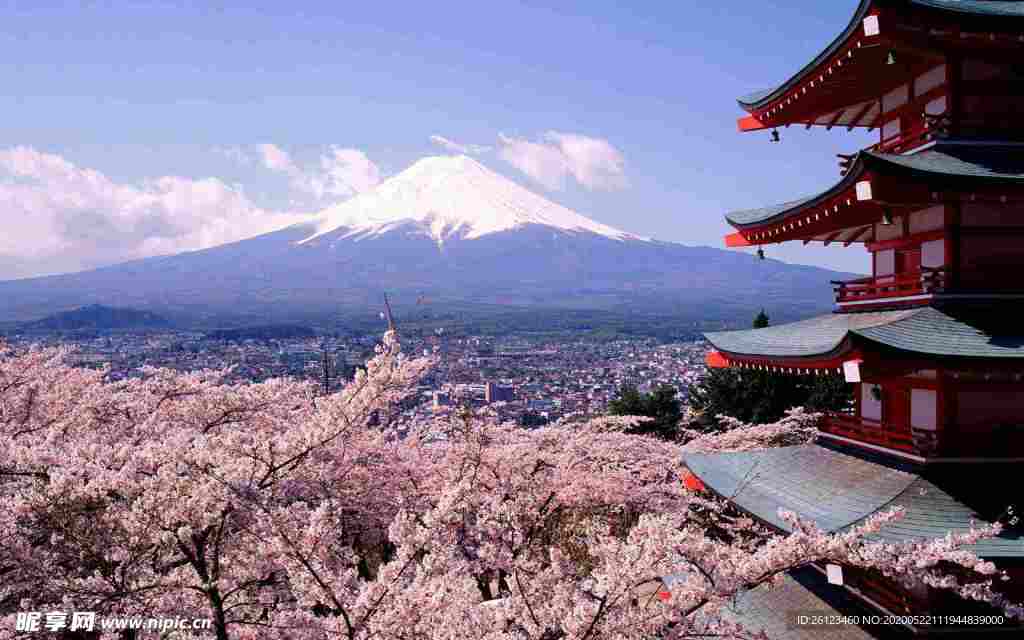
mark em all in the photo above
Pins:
pixel 97 316
pixel 265 332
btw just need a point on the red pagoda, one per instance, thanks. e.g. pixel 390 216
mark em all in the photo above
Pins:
pixel 933 339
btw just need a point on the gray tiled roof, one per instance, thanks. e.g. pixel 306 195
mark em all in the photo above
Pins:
pixel 978 332
pixel 754 216
pixel 812 337
pixel 988 162
pixel 994 8
pixel 833 490
pixel 971 162
pixel 772 609
pixel 837 490
pixel 974 332
pixel 755 97
pixel 998 8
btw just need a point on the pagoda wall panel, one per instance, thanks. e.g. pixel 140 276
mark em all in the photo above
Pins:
pixel 930 79
pixel 933 253
pixel 991 255
pixel 924 406
pixel 885 262
pixel 889 231
pixel 870 407
pixel 990 98
pixel 977 408
pixel 928 219
pixel 896 98
pixel 977 214
pixel 987 423
pixel 974 70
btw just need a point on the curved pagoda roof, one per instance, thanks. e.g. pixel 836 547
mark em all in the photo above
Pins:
pixel 823 79
pixel 963 332
pixel 768 609
pixel 836 489
pixel 947 165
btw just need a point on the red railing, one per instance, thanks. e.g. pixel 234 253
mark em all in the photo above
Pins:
pixel 900 438
pixel 925 281
pixel 917 133
pixel 905 140
pixel 975 441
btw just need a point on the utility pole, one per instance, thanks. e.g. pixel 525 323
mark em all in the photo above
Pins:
pixel 325 371
pixel 387 314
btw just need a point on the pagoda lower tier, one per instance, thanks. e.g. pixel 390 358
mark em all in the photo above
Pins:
pixel 837 487
pixel 930 383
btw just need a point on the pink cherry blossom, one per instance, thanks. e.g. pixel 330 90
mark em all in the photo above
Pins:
pixel 276 512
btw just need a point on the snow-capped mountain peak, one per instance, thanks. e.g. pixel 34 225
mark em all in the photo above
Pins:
pixel 452 196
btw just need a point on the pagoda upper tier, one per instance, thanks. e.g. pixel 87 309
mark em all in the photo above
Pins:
pixel 861 79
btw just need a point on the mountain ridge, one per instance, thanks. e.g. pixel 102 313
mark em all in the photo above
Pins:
pixel 497 246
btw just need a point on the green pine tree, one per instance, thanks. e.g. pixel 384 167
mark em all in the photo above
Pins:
pixel 661 405
pixel 761 320
pixel 761 396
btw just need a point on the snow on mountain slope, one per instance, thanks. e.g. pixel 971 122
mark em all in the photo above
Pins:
pixel 452 196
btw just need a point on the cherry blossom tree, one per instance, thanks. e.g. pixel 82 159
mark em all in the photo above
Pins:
pixel 798 426
pixel 278 513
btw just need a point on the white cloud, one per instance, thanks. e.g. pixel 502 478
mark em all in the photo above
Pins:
pixel 593 162
pixel 451 145
pixel 341 172
pixel 61 217
pixel 276 159
pixel 544 163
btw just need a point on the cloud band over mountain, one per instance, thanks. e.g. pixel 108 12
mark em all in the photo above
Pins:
pixel 62 217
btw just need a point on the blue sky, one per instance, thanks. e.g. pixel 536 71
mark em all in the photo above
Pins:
pixel 144 106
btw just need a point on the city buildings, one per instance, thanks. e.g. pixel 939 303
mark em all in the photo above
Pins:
pixel 932 339
pixel 546 378
pixel 496 393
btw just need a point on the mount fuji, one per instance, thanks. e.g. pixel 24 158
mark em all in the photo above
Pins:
pixel 450 197
pixel 446 230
